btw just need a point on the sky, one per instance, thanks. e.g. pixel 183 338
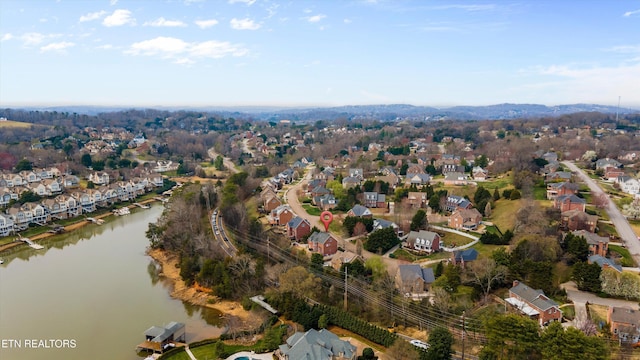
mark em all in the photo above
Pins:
pixel 319 53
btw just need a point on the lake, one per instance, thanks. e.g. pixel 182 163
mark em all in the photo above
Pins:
pixel 90 294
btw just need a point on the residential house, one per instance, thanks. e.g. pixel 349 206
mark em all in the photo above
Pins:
pixel 465 219
pixel 73 206
pixel 419 179
pixel 462 257
pixel 327 174
pixel 357 173
pixel 281 215
pixel 316 345
pixel 630 156
pixel 158 338
pixel 598 245
pixel 164 166
pixel 424 241
pixel 418 199
pixel 456 178
pixel 605 163
pixel 70 182
pixel 52 186
pixel 625 323
pixel 604 263
pixel 452 168
pixel 315 183
pixel 413 279
pixel 86 202
pixel 343 257
pixel 559 176
pixel 533 303
pixel 612 174
pixel 298 228
pixel 271 203
pixel 628 184
pixel 20 216
pixel 99 178
pixel 414 169
pixel 561 188
pixel 578 220
pixel 323 243
pixel 320 191
pixel 325 202
pixel 39 215
pixel 56 209
pixel 569 202
pixel 351 182
pixel 383 224
pixel 360 211
pixel 29 176
pixel 6 196
pixel 454 202
pixel 374 200
pixel 479 174
pixel 6 225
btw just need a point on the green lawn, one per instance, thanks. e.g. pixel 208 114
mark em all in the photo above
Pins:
pixel 503 213
pixel 500 184
pixel 311 210
pixel 626 259
pixel 452 239
pixel 540 193
pixel 486 250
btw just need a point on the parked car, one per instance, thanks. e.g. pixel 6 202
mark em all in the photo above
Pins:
pixel 420 344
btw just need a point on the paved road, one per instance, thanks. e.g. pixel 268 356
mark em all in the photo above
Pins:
pixel 619 221
pixel 291 198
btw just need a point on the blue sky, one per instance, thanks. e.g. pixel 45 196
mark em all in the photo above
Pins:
pixel 318 53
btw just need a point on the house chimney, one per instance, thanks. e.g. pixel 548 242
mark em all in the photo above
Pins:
pixel 515 283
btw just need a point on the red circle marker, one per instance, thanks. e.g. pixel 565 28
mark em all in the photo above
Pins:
pixel 326 218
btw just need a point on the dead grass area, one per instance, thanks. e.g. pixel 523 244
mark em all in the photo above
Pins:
pixel 597 312
pixel 14 124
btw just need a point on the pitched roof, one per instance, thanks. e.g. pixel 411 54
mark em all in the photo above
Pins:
pixel 591 238
pixel 413 272
pixel 316 344
pixel 625 315
pixel 320 237
pixel 465 255
pixel 603 261
pixel 533 297
pixel 422 234
pixel 571 198
pixel 359 210
pixel 295 222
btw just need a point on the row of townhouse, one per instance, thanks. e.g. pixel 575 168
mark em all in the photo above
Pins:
pixel 63 206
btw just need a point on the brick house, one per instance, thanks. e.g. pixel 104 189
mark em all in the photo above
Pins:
pixel 271 203
pixel 598 245
pixel 533 303
pixel 281 215
pixel 418 199
pixel 360 211
pixel 374 200
pixel 578 220
pixel 625 323
pixel 298 228
pixel 322 243
pixel 455 202
pixel 466 219
pixel 612 173
pixel 425 241
pixel 561 188
pixel 413 279
pixel 569 202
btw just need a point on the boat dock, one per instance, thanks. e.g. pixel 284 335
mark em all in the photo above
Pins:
pixel 142 206
pixel 95 221
pixel 30 243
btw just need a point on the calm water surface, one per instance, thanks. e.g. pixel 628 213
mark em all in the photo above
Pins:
pixel 94 287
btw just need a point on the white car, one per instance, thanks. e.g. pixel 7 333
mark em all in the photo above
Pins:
pixel 420 344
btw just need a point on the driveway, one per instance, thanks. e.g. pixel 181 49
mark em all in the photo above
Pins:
pixel 583 297
pixel 619 221
pixel 291 198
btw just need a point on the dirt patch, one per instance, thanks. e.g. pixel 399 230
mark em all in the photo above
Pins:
pixel 242 319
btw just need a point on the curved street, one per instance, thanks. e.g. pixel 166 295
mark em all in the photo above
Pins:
pixel 623 228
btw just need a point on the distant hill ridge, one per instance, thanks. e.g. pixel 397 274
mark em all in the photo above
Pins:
pixel 381 112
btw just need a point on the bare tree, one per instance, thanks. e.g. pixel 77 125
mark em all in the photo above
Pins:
pixel 484 272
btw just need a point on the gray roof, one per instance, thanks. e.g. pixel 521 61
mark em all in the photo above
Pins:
pixel 465 255
pixel 625 316
pixel 383 224
pixel 295 222
pixel 359 210
pixel 316 344
pixel 591 238
pixel 319 237
pixel 412 272
pixel 572 198
pixel 602 261
pixel 422 234
pixel 535 298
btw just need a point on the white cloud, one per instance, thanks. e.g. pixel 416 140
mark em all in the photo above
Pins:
pixel 183 52
pixel 625 49
pixel 6 37
pixel 244 24
pixel 105 47
pixel 33 38
pixel 162 22
pixel 465 7
pixel 316 18
pixel 347 21
pixel 113 2
pixel 92 16
pixel 203 24
pixel 631 13
pixel 118 18
pixel 60 46
pixel 246 2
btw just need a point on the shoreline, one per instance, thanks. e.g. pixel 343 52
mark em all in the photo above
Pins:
pixel 69 228
pixel 194 296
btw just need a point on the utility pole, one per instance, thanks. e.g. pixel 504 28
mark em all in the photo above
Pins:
pixel 268 251
pixel 346 269
pixel 463 335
